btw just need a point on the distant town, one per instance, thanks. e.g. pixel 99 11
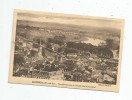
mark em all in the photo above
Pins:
pixel 59 56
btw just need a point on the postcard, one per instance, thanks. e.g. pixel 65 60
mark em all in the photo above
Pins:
pixel 65 50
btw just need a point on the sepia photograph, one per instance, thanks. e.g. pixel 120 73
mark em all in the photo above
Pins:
pixel 64 50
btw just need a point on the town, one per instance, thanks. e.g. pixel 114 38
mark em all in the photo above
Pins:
pixel 59 58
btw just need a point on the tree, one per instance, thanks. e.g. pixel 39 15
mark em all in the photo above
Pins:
pixel 69 65
pixel 109 43
pixel 58 39
pixel 18 59
pixel 33 53
pixel 118 49
pixel 104 52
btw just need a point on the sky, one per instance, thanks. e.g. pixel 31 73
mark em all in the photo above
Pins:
pixel 70 19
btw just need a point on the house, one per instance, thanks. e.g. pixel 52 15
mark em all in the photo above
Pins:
pixel 72 55
pixel 111 73
pixel 108 78
pixel 55 46
pixel 24 44
pixel 115 54
pixel 50 59
pixel 112 62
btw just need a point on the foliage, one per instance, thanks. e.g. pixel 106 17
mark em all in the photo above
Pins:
pixel 57 40
pixel 109 43
pixel 18 59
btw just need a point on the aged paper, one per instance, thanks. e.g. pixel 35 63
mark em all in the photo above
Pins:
pixel 63 50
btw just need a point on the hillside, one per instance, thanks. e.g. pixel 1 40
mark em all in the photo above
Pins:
pixel 72 32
